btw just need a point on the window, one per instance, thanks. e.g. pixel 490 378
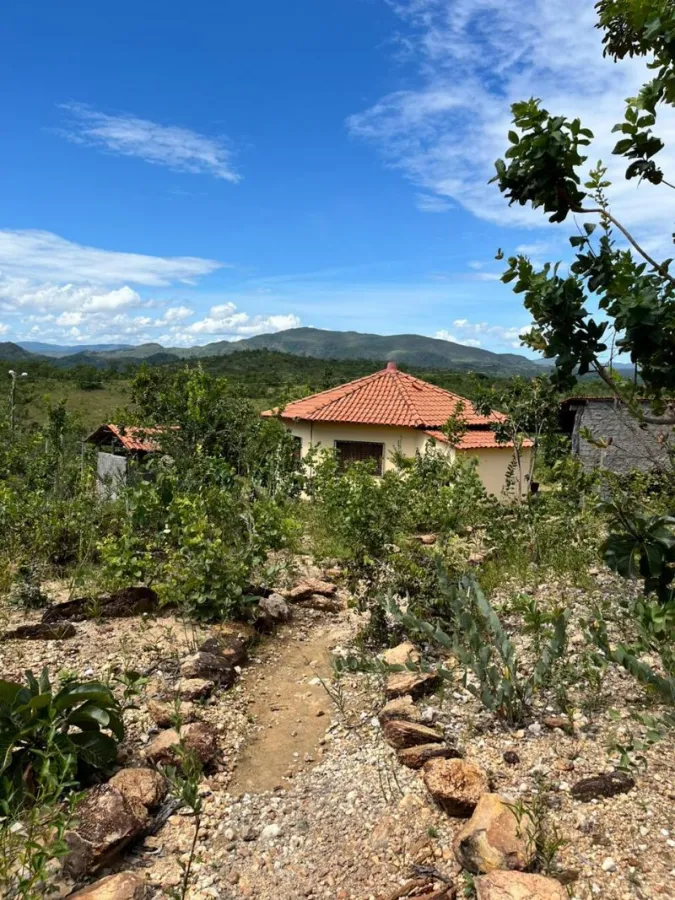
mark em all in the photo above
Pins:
pixel 297 448
pixel 358 451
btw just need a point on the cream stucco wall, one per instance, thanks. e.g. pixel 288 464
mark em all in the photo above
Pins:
pixel 492 463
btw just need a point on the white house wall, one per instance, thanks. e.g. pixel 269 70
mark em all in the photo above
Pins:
pixel 492 463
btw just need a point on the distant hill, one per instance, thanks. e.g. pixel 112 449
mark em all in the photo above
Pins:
pixel 57 350
pixel 410 349
pixel 10 351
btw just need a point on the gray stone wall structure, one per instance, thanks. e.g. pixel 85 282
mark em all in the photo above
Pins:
pixel 630 445
pixel 111 471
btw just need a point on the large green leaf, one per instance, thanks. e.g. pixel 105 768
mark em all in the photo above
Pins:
pixel 74 694
pixel 94 748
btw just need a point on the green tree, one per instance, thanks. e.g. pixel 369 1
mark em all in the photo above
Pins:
pixel 634 291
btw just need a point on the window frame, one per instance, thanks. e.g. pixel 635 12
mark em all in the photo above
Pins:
pixel 379 460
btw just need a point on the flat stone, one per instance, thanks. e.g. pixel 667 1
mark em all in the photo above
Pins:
pixel 417 684
pixel 518 886
pixel 608 785
pixel 210 666
pixel 401 654
pixel 164 714
pixel 42 631
pixel 415 757
pixel 494 838
pixel 123 886
pixel 232 649
pixel 321 603
pixel 399 734
pixel 400 708
pixel 197 736
pixel 455 784
pixel 145 785
pixel 106 823
pixel 304 589
pixel 194 688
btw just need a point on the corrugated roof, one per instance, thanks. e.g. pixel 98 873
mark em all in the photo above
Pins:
pixel 137 439
pixel 387 397
pixel 477 440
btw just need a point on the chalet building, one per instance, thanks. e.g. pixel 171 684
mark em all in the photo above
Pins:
pixel 605 435
pixel 119 451
pixel 373 416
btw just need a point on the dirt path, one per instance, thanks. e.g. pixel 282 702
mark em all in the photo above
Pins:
pixel 290 708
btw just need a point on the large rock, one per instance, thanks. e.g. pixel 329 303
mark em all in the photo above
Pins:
pixel 210 666
pixel 41 631
pixel 231 648
pixel 494 838
pixel 164 714
pixel 124 886
pixel 518 886
pixel 416 684
pixel 194 688
pixel 400 708
pixel 197 736
pixel 415 757
pixel 401 655
pixel 321 603
pixel 399 734
pixel 131 601
pixel 272 611
pixel 608 785
pixel 106 823
pixel 305 589
pixel 141 784
pixel 455 784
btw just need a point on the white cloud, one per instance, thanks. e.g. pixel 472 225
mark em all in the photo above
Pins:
pixel 41 255
pixel 177 148
pixel 432 204
pixel 475 334
pixel 476 57
pixel 224 321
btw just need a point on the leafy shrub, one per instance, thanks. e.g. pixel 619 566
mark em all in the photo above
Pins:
pixel 26 591
pixel 49 737
pixel 484 649
pixel 644 546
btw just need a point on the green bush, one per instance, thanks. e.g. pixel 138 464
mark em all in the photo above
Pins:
pixel 481 645
pixel 51 738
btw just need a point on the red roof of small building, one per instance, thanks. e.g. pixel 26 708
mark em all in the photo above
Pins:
pixel 477 440
pixel 133 438
pixel 387 397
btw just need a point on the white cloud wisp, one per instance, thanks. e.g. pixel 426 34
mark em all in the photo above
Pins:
pixel 476 57
pixel 172 146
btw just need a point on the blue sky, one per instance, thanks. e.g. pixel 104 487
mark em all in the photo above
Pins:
pixel 197 172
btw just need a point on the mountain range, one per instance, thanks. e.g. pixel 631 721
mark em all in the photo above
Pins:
pixel 410 349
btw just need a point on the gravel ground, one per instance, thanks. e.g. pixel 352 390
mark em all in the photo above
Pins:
pixel 343 819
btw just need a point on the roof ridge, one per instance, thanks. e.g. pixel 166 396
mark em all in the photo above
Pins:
pixel 352 385
pixel 407 399
pixel 440 390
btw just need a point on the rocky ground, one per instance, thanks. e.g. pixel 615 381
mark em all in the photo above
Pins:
pixel 305 797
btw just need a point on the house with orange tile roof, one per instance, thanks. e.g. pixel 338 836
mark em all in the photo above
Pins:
pixel 370 418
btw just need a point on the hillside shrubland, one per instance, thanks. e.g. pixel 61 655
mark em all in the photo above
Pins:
pixel 220 517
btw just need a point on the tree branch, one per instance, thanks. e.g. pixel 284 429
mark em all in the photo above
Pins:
pixel 647 418
pixel 629 237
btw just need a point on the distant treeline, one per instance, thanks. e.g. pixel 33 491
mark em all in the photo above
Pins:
pixel 270 375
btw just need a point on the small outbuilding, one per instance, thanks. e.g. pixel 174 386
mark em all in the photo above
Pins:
pixel 370 418
pixel 605 435
pixel 118 448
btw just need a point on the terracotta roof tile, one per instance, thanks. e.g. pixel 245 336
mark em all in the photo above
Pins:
pixel 387 397
pixel 131 438
pixel 477 440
